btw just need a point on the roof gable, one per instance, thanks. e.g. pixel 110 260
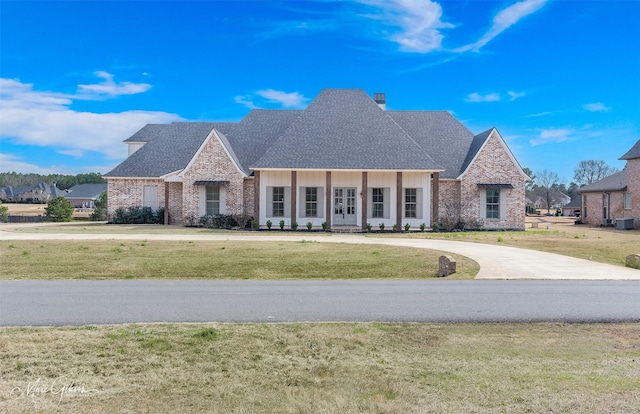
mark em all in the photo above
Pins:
pixel 479 142
pixel 633 153
pixel 169 149
pixel 345 129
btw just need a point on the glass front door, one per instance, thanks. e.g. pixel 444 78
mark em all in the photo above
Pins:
pixel 344 206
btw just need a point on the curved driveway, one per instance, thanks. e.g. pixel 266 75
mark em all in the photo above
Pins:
pixel 496 262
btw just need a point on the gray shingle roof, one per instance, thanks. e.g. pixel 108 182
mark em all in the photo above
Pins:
pixel 615 182
pixel 86 191
pixel 345 129
pixel 340 129
pixel 633 153
pixel 169 148
pixel 440 135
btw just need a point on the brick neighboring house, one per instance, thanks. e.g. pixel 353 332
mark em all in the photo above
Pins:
pixel 85 195
pixel 344 161
pixel 614 197
pixel 40 193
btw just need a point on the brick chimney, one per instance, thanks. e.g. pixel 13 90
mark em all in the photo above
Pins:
pixel 381 100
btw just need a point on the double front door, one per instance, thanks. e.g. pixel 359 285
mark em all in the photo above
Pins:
pixel 344 206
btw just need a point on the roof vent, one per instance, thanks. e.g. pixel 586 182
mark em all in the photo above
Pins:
pixel 380 99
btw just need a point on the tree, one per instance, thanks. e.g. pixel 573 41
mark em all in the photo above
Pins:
pixel 100 208
pixel 59 209
pixel 529 185
pixel 547 182
pixel 590 171
pixel 4 213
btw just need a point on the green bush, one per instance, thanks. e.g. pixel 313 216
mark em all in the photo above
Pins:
pixel 100 208
pixel 4 213
pixel 269 224
pixel 309 225
pixel 294 226
pixel 423 226
pixel 59 209
pixel 218 221
pixel 407 226
pixel 281 224
pixel 138 215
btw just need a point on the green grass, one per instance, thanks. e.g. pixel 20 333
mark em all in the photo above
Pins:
pixel 325 368
pixel 111 259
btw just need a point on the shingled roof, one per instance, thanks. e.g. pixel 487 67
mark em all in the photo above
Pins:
pixel 614 182
pixel 340 129
pixel 633 153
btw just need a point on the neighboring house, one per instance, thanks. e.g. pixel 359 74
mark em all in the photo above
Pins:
pixel 40 193
pixel 615 197
pixel 85 195
pixel 344 161
pixel 572 208
pixel 558 200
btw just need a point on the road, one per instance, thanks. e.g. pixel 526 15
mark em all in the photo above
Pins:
pixel 78 302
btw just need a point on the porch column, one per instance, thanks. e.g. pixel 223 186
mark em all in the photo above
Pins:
pixel 256 196
pixel 399 200
pixel 328 200
pixel 294 196
pixel 365 200
pixel 436 197
pixel 166 203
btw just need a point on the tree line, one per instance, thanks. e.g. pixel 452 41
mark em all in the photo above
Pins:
pixel 63 182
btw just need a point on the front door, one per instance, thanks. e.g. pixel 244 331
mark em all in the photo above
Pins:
pixel 344 206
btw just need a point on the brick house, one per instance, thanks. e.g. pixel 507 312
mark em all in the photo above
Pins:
pixel 615 197
pixel 344 161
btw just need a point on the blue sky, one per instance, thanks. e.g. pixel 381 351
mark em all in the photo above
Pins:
pixel 559 79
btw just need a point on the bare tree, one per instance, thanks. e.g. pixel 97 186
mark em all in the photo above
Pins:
pixel 547 182
pixel 590 171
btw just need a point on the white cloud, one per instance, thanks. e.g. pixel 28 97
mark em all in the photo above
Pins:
pixel 516 95
pixel 505 19
pixel 287 100
pixel 476 97
pixel 596 107
pixel 417 22
pixel 32 117
pixel 293 100
pixel 110 88
pixel 552 136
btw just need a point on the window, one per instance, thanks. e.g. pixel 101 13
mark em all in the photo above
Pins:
pixel 493 203
pixel 411 202
pixel 377 200
pixel 212 200
pixel 627 201
pixel 278 202
pixel 311 202
pixel 150 197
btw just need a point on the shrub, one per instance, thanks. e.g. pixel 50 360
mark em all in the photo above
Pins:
pixel 324 226
pixel 269 224
pixel 381 225
pixel 294 226
pixel 100 208
pixel 4 213
pixel 395 227
pixel 59 209
pixel 422 226
pixel 309 225
pixel 138 215
pixel 369 227
pixel 407 226
pixel 281 224
pixel 218 221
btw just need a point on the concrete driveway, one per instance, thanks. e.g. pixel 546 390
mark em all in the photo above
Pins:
pixel 496 262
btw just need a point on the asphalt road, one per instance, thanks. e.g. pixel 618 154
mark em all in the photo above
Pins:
pixel 76 302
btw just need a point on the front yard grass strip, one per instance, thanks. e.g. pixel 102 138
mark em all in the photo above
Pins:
pixel 323 368
pixel 154 259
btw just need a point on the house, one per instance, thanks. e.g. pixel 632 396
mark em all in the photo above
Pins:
pixel 616 197
pixel 40 193
pixel 85 195
pixel 343 162
pixel 572 208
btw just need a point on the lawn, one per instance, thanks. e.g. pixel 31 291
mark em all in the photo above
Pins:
pixel 322 368
pixel 157 259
